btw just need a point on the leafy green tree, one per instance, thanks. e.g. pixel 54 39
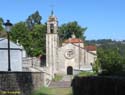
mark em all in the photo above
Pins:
pixel 31 34
pixel 2 32
pixel 21 33
pixel 110 60
pixel 96 66
pixel 33 19
pixel 32 41
pixel 67 29
pixel 1 23
pixel 109 44
pixel 38 40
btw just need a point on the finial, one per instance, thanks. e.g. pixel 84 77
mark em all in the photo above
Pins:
pixel 52 7
pixel 73 35
pixel 52 13
pixel 17 42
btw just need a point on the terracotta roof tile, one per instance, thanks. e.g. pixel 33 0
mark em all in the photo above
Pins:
pixel 90 48
pixel 73 40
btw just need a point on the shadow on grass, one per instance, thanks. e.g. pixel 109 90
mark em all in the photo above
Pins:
pixel 40 94
pixel 49 94
pixel 52 91
pixel 70 94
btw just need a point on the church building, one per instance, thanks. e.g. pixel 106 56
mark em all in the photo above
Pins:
pixel 69 58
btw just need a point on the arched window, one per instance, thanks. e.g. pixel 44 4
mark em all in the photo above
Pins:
pixel 51 28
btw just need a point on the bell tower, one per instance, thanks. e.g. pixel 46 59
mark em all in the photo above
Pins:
pixel 52 43
pixel 52 24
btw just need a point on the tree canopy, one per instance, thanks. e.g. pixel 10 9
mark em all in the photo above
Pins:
pixel 1 23
pixel 32 41
pixel 111 55
pixel 66 30
pixel 2 32
pixel 33 19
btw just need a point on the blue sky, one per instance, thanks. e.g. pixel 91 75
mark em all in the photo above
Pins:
pixel 105 19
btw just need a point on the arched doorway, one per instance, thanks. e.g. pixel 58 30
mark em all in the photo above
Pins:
pixel 69 70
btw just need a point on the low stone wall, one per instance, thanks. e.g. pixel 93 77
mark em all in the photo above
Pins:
pixel 98 86
pixel 31 62
pixel 20 83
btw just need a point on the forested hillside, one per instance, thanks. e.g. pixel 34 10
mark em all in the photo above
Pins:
pixel 110 56
pixel 108 44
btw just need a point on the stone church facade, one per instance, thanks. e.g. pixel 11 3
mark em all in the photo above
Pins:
pixel 71 56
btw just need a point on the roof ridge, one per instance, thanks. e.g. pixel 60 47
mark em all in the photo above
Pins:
pixel 73 40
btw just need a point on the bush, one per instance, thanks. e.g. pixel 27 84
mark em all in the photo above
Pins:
pixel 96 66
pixel 110 61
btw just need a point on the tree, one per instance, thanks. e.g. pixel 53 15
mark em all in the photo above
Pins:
pixel 33 19
pixel 1 23
pixel 32 41
pixel 110 60
pixel 96 66
pixel 38 40
pixel 21 33
pixel 67 29
pixel 2 32
pixel 31 34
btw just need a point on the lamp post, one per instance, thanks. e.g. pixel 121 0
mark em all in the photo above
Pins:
pixel 8 26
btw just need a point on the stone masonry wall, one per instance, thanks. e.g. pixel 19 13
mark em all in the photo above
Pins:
pixel 20 83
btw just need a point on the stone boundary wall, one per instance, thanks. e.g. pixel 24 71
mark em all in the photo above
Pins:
pixel 98 85
pixel 20 83
pixel 31 62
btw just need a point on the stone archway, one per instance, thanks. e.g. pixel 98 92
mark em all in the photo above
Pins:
pixel 69 70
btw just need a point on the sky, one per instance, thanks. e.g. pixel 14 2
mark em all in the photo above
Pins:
pixel 104 19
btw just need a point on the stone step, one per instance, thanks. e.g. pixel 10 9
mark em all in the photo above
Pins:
pixel 67 78
pixel 60 84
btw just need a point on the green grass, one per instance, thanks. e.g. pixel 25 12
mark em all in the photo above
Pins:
pixel 53 91
pixel 87 74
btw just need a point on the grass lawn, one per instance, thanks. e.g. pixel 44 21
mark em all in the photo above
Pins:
pixel 84 73
pixel 53 91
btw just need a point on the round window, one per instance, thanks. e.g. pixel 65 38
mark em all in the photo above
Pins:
pixel 69 53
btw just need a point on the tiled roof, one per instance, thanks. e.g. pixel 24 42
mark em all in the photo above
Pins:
pixel 73 40
pixel 90 48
